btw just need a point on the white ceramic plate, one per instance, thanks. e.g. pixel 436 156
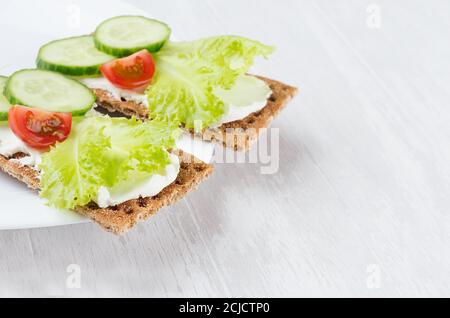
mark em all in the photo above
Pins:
pixel 25 26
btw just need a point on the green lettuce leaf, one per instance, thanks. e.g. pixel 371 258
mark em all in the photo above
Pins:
pixel 102 151
pixel 188 73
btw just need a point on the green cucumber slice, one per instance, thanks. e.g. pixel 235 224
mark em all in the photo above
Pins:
pixel 75 56
pixel 4 103
pixel 125 35
pixel 50 91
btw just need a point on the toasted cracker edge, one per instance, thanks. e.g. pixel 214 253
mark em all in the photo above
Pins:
pixel 120 218
pixel 238 135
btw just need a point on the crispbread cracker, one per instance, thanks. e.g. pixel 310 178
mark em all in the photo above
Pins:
pixel 122 217
pixel 244 131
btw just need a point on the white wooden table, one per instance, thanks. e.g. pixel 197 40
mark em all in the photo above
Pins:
pixel 360 205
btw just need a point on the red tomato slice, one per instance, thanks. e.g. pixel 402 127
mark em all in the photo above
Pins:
pixel 134 72
pixel 39 128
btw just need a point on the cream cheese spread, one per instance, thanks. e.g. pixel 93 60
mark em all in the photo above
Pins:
pixel 139 186
pixel 248 95
pixel 11 145
pixel 115 92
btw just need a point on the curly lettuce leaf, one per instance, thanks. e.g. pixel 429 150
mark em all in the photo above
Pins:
pixel 188 73
pixel 103 151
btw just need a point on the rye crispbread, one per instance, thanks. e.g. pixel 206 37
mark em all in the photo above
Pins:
pixel 238 135
pixel 122 217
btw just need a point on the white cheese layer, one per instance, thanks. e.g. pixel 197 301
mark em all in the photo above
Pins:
pixel 139 186
pixel 116 93
pixel 11 145
pixel 203 150
pixel 248 95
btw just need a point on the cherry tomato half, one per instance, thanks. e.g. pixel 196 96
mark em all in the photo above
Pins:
pixel 39 128
pixel 134 72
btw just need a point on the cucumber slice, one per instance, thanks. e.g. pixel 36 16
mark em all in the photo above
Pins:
pixel 50 91
pixel 75 56
pixel 125 35
pixel 4 103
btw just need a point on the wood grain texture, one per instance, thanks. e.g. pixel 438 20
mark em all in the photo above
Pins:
pixel 364 171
